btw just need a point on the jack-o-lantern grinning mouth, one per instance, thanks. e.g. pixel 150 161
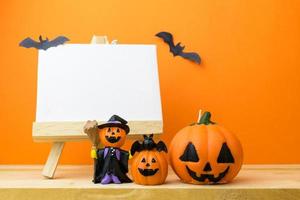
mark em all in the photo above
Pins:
pixel 112 139
pixel 210 177
pixel 147 172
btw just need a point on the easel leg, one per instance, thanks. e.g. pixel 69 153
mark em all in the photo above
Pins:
pixel 54 155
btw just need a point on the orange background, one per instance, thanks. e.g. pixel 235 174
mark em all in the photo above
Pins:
pixel 249 78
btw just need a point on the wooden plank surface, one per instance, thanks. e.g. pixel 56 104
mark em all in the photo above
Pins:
pixel 74 182
pixel 73 131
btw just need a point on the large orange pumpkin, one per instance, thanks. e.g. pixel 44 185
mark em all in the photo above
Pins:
pixel 149 163
pixel 205 153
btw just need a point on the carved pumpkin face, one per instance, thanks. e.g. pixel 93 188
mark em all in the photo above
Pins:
pixel 149 167
pixel 205 153
pixel 149 163
pixel 112 136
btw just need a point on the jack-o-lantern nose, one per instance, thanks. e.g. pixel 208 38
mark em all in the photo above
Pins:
pixel 113 133
pixel 147 165
pixel 207 167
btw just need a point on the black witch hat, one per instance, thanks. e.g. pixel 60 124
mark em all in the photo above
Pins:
pixel 116 121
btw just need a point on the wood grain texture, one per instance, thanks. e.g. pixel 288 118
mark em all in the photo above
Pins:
pixel 73 131
pixel 74 182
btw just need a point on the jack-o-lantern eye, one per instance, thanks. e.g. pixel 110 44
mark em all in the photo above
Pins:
pixel 153 160
pixel 108 130
pixel 225 155
pixel 143 160
pixel 189 154
pixel 118 130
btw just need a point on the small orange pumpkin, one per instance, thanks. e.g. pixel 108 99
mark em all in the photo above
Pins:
pixel 205 153
pixel 149 163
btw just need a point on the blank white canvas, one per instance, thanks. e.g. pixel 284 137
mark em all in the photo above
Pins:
pixel 78 82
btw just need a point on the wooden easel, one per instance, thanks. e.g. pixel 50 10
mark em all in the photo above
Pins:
pixel 60 132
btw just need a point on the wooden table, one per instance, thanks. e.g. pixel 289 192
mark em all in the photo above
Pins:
pixel 74 182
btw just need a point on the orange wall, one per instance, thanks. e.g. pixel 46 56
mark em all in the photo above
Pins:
pixel 249 78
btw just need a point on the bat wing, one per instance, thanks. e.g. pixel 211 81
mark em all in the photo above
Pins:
pixel 167 38
pixel 28 43
pixel 135 147
pixel 57 41
pixel 161 146
pixel 191 56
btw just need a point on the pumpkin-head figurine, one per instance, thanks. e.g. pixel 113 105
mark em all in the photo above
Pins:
pixel 149 163
pixel 111 162
pixel 113 133
pixel 205 153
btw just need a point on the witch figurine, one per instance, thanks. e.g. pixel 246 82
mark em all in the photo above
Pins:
pixel 110 162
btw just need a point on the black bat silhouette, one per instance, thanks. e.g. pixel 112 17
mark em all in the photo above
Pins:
pixel 148 144
pixel 177 50
pixel 43 44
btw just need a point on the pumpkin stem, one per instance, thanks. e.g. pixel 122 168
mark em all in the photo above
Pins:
pixel 205 119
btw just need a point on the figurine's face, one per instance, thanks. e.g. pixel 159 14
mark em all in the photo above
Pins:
pixel 112 136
